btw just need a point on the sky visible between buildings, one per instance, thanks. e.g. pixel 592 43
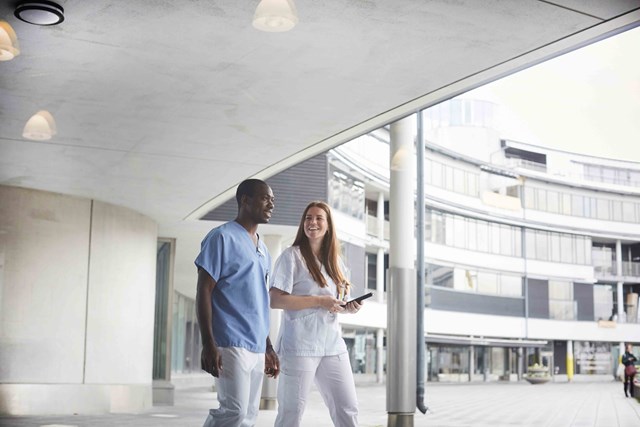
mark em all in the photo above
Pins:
pixel 586 101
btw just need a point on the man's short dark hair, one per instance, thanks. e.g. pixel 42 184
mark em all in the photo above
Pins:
pixel 248 188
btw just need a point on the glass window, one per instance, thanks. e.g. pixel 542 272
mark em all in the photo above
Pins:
pixel 529 198
pixel 494 238
pixel 566 248
pixel 472 229
pixel 185 340
pixel 542 245
pixel 438 275
pixel 592 172
pixel 346 193
pixel 541 199
pixel 372 261
pixel 510 285
pixel 459 181
pixel 518 241
pixel 436 174
pixel 460 232
pixel 553 202
pixel 603 302
pixel 559 289
pixel 590 207
pixel 580 250
pixel 506 240
pixel 448 177
pixel 554 242
pixel 577 205
pixel 602 209
pixel 439 229
pixel 472 184
pixel 566 204
pixel 456 112
pixel 450 230
pixel 628 212
pixel 616 210
pixel 593 357
pixel 487 283
pixel 530 243
pixel 483 236
pixel 561 304
pixel 608 175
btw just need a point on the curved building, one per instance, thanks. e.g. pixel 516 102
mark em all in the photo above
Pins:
pixel 532 255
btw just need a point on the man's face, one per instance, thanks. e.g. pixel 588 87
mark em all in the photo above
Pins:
pixel 260 205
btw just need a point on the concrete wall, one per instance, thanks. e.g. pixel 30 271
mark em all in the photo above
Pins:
pixel 77 289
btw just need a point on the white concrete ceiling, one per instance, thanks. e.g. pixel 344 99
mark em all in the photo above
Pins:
pixel 162 106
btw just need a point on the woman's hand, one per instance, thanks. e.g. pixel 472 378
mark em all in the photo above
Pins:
pixel 331 304
pixel 353 306
pixel 271 363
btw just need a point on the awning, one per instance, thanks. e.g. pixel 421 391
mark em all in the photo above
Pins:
pixel 483 341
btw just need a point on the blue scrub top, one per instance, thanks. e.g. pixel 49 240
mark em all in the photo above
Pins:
pixel 240 299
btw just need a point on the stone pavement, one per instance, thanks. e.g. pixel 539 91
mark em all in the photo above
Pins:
pixel 579 404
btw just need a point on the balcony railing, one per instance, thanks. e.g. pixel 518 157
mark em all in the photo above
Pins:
pixel 372 227
pixel 629 269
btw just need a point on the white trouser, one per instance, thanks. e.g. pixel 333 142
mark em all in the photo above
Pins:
pixel 334 379
pixel 239 386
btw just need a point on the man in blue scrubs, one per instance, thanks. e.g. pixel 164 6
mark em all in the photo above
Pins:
pixel 232 303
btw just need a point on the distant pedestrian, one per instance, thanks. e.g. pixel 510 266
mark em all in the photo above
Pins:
pixel 629 362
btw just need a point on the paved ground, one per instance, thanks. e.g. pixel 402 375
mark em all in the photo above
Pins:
pixel 598 404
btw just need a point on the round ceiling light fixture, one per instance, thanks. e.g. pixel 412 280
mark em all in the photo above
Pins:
pixel 39 12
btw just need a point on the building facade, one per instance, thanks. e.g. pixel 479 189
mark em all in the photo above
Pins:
pixel 532 255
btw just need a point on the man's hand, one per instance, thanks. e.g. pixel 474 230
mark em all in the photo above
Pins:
pixel 210 360
pixel 271 363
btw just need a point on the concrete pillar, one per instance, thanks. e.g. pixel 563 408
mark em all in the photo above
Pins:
pixel 401 307
pixel 78 293
pixel 269 395
pixel 520 363
pixel 380 356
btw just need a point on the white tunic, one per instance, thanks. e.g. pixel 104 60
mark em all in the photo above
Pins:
pixel 312 331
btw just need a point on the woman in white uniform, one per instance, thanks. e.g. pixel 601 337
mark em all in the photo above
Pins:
pixel 309 284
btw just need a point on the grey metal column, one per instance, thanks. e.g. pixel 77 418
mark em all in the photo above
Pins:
pixel 269 394
pixel 420 207
pixel 401 306
pixel 380 274
pixel 622 317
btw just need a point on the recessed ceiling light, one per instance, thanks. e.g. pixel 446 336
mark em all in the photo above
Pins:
pixel 275 16
pixel 39 12
pixel 40 127
pixel 8 42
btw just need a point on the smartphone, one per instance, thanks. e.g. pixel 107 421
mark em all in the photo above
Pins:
pixel 360 298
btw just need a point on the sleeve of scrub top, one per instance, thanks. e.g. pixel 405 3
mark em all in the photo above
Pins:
pixel 211 256
pixel 283 271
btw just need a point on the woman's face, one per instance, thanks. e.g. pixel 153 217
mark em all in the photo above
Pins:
pixel 315 224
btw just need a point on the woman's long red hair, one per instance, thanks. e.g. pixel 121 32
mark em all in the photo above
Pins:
pixel 329 250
